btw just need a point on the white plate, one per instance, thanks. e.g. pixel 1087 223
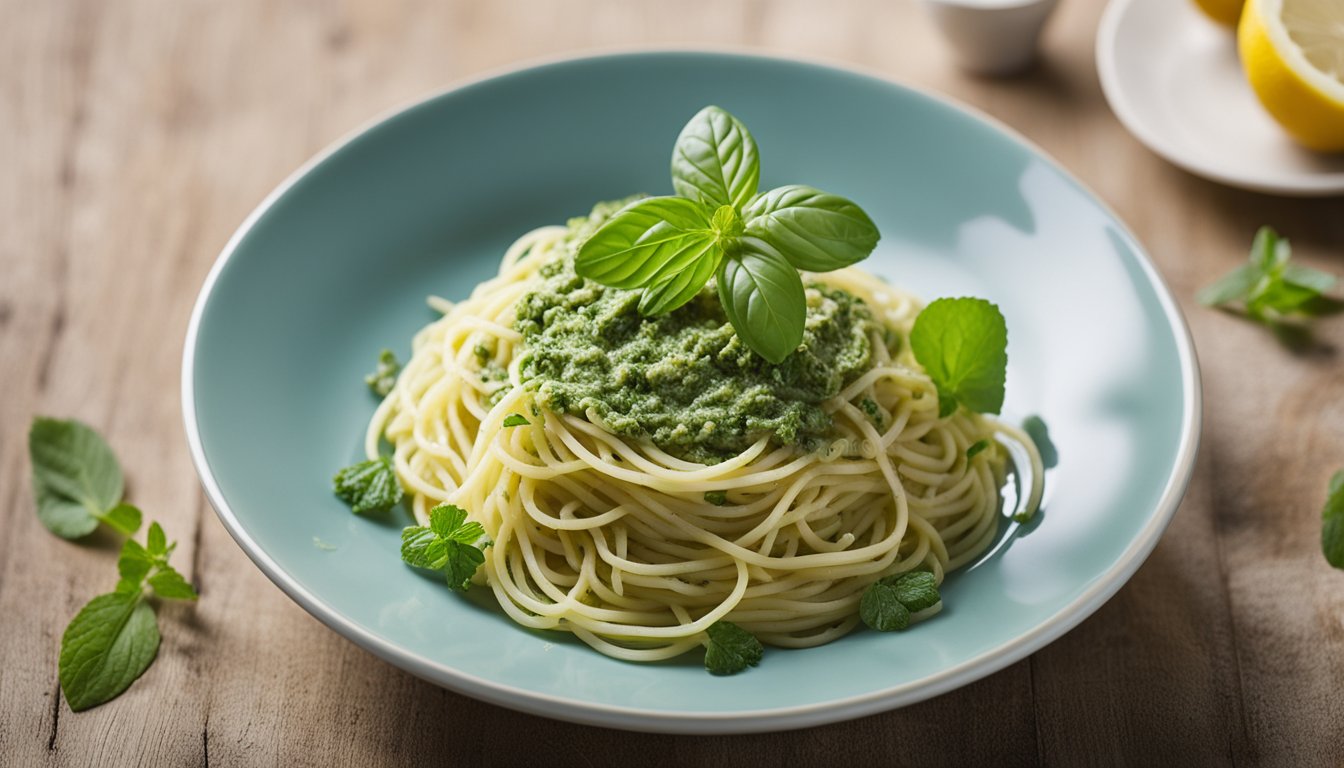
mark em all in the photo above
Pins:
pixel 1173 78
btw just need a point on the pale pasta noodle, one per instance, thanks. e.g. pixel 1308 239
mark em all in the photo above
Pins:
pixel 612 539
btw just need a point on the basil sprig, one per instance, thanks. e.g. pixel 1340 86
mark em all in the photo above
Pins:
pixel 718 227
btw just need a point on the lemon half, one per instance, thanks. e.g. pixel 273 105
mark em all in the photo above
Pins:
pixel 1293 53
pixel 1222 11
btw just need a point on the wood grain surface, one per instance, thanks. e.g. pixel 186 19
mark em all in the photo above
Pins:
pixel 135 135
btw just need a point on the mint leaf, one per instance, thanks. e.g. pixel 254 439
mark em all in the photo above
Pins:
pixel 156 543
pixel 123 518
pixel 963 346
pixel 384 377
pixel 449 544
pixel 76 477
pixel 647 241
pixel 714 161
pixel 1035 428
pixel 881 609
pixel 764 300
pixel 976 447
pixel 369 486
pixel 1270 287
pixel 814 230
pixel 133 565
pixel 917 591
pixel 731 649
pixel 168 583
pixel 109 643
pixel 515 420
pixel 1332 522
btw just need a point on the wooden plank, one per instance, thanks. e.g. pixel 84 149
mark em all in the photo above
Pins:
pixel 146 130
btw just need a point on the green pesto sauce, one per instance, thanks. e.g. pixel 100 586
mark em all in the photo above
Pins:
pixel 683 380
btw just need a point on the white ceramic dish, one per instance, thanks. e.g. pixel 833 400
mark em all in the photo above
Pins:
pixel 991 37
pixel 1174 80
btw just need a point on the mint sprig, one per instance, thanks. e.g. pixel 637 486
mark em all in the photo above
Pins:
pixel 1270 287
pixel 368 486
pixel 449 544
pixel 115 637
pixel 1332 522
pixel 887 604
pixel 719 227
pixel 384 377
pixel 731 649
pixel 963 346
pixel 77 481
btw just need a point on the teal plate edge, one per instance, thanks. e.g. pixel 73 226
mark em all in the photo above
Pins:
pixel 1088 601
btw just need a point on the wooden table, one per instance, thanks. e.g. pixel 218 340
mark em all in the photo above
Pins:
pixel 135 135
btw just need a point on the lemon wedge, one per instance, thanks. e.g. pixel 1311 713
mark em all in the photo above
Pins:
pixel 1222 11
pixel 1293 53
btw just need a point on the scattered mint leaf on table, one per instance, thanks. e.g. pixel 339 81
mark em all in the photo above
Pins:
pixel 369 486
pixel 76 479
pixel 963 346
pixel 731 649
pixel 1270 287
pixel 718 227
pixel 449 544
pixel 1332 522
pixel 384 377
pixel 115 637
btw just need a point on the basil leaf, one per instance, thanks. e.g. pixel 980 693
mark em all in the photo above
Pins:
pixel 881 609
pixel 76 477
pixel 1332 522
pixel 963 346
pixel 645 241
pixel 168 583
pixel 715 160
pixel 369 486
pixel 123 518
pixel 676 288
pixel 731 649
pixel 764 300
pixel 515 420
pixel 109 643
pixel 1308 279
pixel 1268 250
pixel 814 230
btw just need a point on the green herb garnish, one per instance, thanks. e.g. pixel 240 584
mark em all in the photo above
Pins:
pixel 1332 522
pixel 719 227
pixel 963 346
pixel 888 603
pixel 1035 428
pixel 731 649
pixel 384 377
pixel 717 498
pixel 450 544
pixel 76 480
pixel 369 486
pixel 1271 287
pixel 976 447
pixel 515 420
pixel 114 638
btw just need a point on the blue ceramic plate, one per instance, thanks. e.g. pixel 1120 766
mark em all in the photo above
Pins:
pixel 337 262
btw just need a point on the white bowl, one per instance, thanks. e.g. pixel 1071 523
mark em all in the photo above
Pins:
pixel 991 37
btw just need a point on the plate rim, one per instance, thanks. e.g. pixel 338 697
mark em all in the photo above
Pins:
pixel 1123 108
pixel 551 706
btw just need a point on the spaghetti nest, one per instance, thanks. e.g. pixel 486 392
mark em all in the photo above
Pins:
pixel 637 551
